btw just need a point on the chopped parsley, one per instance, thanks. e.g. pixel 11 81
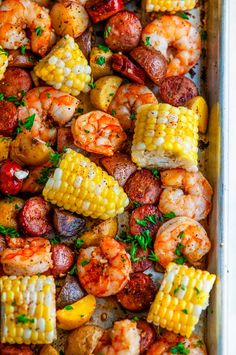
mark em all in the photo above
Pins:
pixel 3 139
pixel 197 290
pixel 179 349
pixel 152 219
pixel 91 84
pixel 9 198
pixel 178 249
pixel 184 15
pixel 135 319
pixel 44 175
pixel 107 31
pixel 198 344
pixel 181 234
pixel 147 41
pixel 155 173
pixel 180 261
pixel 144 239
pixel 185 311
pixel 28 124
pixel 12 232
pixel 101 60
pixel 1 97
pixel 133 251
pixel 55 240
pixel 141 222
pixel 103 48
pixel 23 319
pixel 22 49
pixel 153 257
pixel 169 215
pixel 133 116
pixel 38 31
pixel 86 131
pixel 113 112
pixel 136 204
pixel 11 98
pixel 73 270
pixel 48 94
pixel 84 262
pixel 3 51
pixel 68 307
pixel 54 158
pixel 180 287
pixel 17 207
pixel 80 110
pixel 79 243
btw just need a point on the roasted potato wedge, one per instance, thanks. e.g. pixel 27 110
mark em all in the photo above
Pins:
pixel 9 210
pixel 48 350
pixel 75 315
pixel 100 61
pixel 4 147
pixel 104 91
pixel 71 19
pixel 83 340
pixel 199 105
pixel 26 150
pixel 85 104
pixel 103 229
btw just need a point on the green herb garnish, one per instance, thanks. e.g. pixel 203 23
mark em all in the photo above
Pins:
pixel 147 41
pixel 135 319
pixel 28 124
pixel 178 249
pixel 22 49
pixel 197 290
pixel 180 261
pixel 91 84
pixel 68 307
pixel 73 270
pixel 101 60
pixel 152 219
pixel 12 232
pixel 80 110
pixel 38 31
pixel 103 48
pixel 113 112
pixel 153 257
pixel 184 15
pixel 179 349
pixel 133 251
pixel 54 158
pixel 3 51
pixel 84 262
pixel 155 173
pixel 141 222
pixel 23 319
pixel 44 175
pixel 136 204
pixel 79 243
pixel 55 240
pixel 169 215
pixel 133 116
pixel 107 31
pixel 180 287
pixel 185 311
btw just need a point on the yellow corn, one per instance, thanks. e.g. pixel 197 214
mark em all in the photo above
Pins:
pixel 170 5
pixel 183 294
pixel 166 137
pixel 78 185
pixel 3 62
pixel 28 309
pixel 65 67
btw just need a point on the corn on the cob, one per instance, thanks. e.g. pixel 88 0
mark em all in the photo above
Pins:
pixel 170 5
pixel 65 67
pixel 28 311
pixel 3 62
pixel 183 294
pixel 165 136
pixel 78 185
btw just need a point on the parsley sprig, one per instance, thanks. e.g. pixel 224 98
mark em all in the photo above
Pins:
pixel 179 349
pixel 28 124
pixel 11 232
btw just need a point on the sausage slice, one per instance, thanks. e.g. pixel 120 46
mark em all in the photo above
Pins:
pixel 147 334
pixel 8 117
pixel 145 217
pixel 16 82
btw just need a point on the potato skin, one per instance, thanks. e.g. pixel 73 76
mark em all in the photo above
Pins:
pixel 97 69
pixel 9 211
pixel 105 89
pixel 5 143
pixel 85 42
pixel 71 19
pixel 83 341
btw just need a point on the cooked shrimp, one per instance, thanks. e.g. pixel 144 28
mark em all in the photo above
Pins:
pixel 181 236
pixel 29 256
pixel 16 16
pixel 171 343
pixel 186 194
pixel 124 340
pixel 45 102
pixel 98 132
pixel 173 32
pixel 126 101
pixel 104 270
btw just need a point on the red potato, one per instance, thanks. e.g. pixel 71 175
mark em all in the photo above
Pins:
pixel 17 59
pixel 140 214
pixel 152 61
pixel 34 218
pixel 123 31
pixel 100 10
pixel 62 258
pixel 143 187
pixel 8 117
pixel 16 82
pixel 124 66
pixel 85 42
pixel 66 223
pixel 9 182
pixel 119 166
pixel 138 293
pixel 70 292
pixel 177 90
pixel 147 334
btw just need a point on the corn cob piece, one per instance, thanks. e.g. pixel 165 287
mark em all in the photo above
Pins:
pixel 65 67
pixel 166 137
pixel 170 5
pixel 183 294
pixel 3 62
pixel 78 185
pixel 28 311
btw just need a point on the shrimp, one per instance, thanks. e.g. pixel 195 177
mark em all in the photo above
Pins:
pixel 181 236
pixel 127 100
pixel 186 194
pixel 104 270
pixel 124 339
pixel 45 101
pixel 171 343
pixel 29 256
pixel 98 132
pixel 16 16
pixel 173 32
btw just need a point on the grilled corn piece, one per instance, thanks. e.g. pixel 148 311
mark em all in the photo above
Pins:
pixel 199 105
pixel 28 311
pixel 65 67
pixel 3 62
pixel 170 5
pixel 78 185
pixel 166 137
pixel 183 294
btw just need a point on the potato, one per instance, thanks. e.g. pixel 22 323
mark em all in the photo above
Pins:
pixel 26 150
pixel 71 19
pixel 104 229
pixel 100 61
pixel 48 350
pixel 85 104
pixel 9 210
pixel 199 105
pixel 4 147
pixel 104 91
pixel 84 340
pixel 80 313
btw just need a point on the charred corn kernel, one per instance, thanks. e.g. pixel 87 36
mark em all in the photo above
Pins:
pixel 199 105
pixel 170 5
pixel 78 185
pixel 65 67
pixel 174 139
pixel 33 321
pixel 172 309
pixel 3 62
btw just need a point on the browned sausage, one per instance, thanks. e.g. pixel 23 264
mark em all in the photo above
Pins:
pixel 139 221
pixel 62 258
pixel 143 263
pixel 147 335
pixel 138 293
pixel 176 90
pixel 34 217
pixel 70 292
pixel 124 66
pixel 84 42
pixel 8 117
pixel 67 224
pixel 16 82
pixel 16 350
pixel 152 61
pixel 65 139
pixel 123 31
pixel 17 59
pixel 143 187
pixel 119 166
pixel 100 10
